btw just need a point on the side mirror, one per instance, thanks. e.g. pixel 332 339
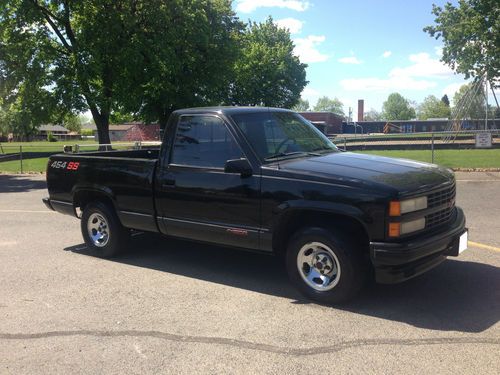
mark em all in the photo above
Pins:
pixel 241 166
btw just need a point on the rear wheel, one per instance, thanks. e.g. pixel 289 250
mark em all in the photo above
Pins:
pixel 102 230
pixel 325 266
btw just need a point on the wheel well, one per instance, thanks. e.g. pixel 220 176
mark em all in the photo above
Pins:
pixel 294 221
pixel 84 197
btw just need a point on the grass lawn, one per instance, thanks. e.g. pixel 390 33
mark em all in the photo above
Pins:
pixel 13 147
pixel 29 165
pixel 449 158
pixel 39 164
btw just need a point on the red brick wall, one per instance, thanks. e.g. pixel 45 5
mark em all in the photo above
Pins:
pixel 332 121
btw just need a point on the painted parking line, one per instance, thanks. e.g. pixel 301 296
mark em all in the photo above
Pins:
pixel 483 246
pixel 477 180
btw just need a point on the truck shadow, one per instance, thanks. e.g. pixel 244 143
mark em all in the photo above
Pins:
pixel 20 184
pixel 456 296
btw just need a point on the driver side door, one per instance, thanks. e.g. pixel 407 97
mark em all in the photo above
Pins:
pixel 196 199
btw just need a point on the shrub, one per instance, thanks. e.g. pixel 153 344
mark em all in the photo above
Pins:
pixel 51 137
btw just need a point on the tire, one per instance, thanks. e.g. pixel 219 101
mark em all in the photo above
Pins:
pixel 324 266
pixel 102 231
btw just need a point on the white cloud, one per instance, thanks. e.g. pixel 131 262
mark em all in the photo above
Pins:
pixel 386 54
pixel 423 66
pixel 350 60
pixel 248 6
pixel 420 75
pixel 452 88
pixel 292 24
pixel 305 48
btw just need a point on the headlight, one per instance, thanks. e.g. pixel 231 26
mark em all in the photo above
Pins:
pixel 398 208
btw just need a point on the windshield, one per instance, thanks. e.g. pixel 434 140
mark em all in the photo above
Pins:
pixel 282 134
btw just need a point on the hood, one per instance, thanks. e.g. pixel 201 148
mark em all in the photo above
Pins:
pixel 405 176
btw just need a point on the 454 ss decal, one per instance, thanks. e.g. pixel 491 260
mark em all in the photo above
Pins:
pixel 71 165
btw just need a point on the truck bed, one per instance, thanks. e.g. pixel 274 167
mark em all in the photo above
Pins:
pixel 125 177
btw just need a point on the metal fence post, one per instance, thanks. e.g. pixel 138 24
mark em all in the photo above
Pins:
pixel 345 144
pixel 21 157
pixel 432 148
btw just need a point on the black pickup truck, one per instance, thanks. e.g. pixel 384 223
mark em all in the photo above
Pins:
pixel 265 179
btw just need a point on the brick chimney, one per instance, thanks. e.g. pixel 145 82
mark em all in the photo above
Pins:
pixel 361 109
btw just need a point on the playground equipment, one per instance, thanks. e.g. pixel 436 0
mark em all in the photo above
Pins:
pixel 391 128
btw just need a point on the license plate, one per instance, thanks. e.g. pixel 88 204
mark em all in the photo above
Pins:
pixel 462 243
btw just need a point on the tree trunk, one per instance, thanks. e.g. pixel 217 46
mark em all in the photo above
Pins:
pixel 102 124
pixel 163 116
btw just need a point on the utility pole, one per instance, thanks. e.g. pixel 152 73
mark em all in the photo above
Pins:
pixel 486 94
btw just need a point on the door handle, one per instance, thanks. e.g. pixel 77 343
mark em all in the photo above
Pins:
pixel 168 183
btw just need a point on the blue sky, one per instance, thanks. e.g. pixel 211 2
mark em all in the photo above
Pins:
pixel 362 49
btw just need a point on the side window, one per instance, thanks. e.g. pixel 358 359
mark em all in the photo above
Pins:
pixel 203 141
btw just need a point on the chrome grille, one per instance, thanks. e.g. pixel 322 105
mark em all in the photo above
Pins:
pixel 439 198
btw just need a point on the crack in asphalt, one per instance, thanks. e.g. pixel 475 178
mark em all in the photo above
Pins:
pixel 241 344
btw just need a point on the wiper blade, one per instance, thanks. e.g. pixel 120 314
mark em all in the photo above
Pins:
pixel 284 154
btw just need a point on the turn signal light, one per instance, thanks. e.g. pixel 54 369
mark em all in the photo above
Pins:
pixel 394 229
pixel 395 208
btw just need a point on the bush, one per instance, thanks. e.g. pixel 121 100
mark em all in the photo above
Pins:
pixel 51 137
pixel 86 132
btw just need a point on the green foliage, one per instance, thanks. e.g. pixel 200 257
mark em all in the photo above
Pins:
pixel 445 100
pixel 51 137
pixel 146 58
pixel 471 35
pixel 117 117
pixel 301 106
pixel 469 103
pixel 325 104
pixel 72 122
pixel 396 107
pixel 432 107
pixel 70 52
pixel 267 71
pixel 184 54
pixel 372 115
pixel 87 132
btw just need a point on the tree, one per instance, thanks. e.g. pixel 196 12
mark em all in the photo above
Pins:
pixel 72 122
pixel 301 106
pixel 372 115
pixel 84 47
pixel 186 51
pixel 325 104
pixel 471 34
pixel 268 72
pixel 25 100
pixel 396 107
pixel 445 100
pixel 469 102
pixel 432 107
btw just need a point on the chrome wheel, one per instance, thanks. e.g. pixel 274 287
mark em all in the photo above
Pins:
pixel 98 229
pixel 318 266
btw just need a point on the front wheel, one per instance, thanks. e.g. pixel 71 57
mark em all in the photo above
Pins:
pixel 325 266
pixel 102 231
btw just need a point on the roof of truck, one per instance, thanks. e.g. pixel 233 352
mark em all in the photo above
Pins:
pixel 229 110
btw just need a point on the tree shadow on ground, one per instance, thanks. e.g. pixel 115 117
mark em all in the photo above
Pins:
pixel 456 296
pixel 19 183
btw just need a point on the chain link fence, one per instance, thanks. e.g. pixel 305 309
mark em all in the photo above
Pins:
pixel 32 157
pixel 457 149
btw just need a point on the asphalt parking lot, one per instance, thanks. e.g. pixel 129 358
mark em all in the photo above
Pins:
pixel 169 306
